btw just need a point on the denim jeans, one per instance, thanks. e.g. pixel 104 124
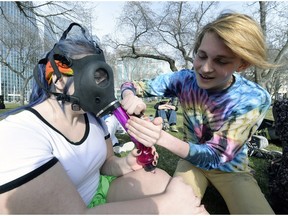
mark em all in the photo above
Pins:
pixel 167 115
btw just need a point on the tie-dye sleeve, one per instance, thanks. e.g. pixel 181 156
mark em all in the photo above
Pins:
pixel 159 86
pixel 127 86
pixel 226 149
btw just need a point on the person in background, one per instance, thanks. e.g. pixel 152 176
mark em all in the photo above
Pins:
pixel 56 156
pixel 114 127
pixel 167 111
pixel 221 111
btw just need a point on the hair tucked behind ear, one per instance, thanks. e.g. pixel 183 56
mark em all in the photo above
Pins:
pixel 242 35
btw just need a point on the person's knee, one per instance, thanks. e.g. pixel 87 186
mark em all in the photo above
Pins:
pixel 138 184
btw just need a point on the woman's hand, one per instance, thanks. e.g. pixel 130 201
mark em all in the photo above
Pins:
pixel 145 131
pixel 131 159
pixel 132 104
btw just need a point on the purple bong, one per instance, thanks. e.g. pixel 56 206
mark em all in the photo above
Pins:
pixel 146 157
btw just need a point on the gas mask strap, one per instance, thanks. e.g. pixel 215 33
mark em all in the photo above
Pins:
pixel 56 49
pixel 68 98
pixel 59 96
pixel 64 35
pixel 97 60
pixel 53 64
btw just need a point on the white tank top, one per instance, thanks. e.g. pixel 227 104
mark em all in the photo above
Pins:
pixel 29 142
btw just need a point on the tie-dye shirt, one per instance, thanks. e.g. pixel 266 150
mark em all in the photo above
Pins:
pixel 216 124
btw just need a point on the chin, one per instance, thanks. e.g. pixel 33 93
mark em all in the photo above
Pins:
pixel 203 85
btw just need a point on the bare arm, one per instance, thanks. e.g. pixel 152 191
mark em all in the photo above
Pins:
pixel 53 193
pixel 163 106
pixel 118 166
pixel 171 107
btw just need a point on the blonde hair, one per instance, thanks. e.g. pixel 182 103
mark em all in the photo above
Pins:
pixel 242 35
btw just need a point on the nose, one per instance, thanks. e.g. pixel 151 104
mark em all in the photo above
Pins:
pixel 207 66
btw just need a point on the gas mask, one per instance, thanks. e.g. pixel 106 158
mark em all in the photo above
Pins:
pixel 93 88
pixel 93 79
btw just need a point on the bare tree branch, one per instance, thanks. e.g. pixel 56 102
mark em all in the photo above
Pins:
pixel 169 32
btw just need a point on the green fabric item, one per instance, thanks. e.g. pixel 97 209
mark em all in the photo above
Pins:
pixel 101 194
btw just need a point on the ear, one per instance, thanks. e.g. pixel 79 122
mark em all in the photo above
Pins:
pixel 60 84
pixel 243 66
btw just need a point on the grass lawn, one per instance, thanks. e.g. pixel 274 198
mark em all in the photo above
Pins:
pixel 212 200
pixel 9 106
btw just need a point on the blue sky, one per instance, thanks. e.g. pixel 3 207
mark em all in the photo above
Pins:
pixel 106 13
pixel 105 16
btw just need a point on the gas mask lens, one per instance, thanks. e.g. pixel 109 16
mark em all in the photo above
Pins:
pixel 101 77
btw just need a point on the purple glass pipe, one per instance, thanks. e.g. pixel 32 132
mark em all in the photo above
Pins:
pixel 146 157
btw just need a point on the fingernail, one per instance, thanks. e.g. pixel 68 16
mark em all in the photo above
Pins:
pixel 154 163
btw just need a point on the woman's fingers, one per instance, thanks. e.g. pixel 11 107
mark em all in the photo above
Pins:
pixel 137 152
